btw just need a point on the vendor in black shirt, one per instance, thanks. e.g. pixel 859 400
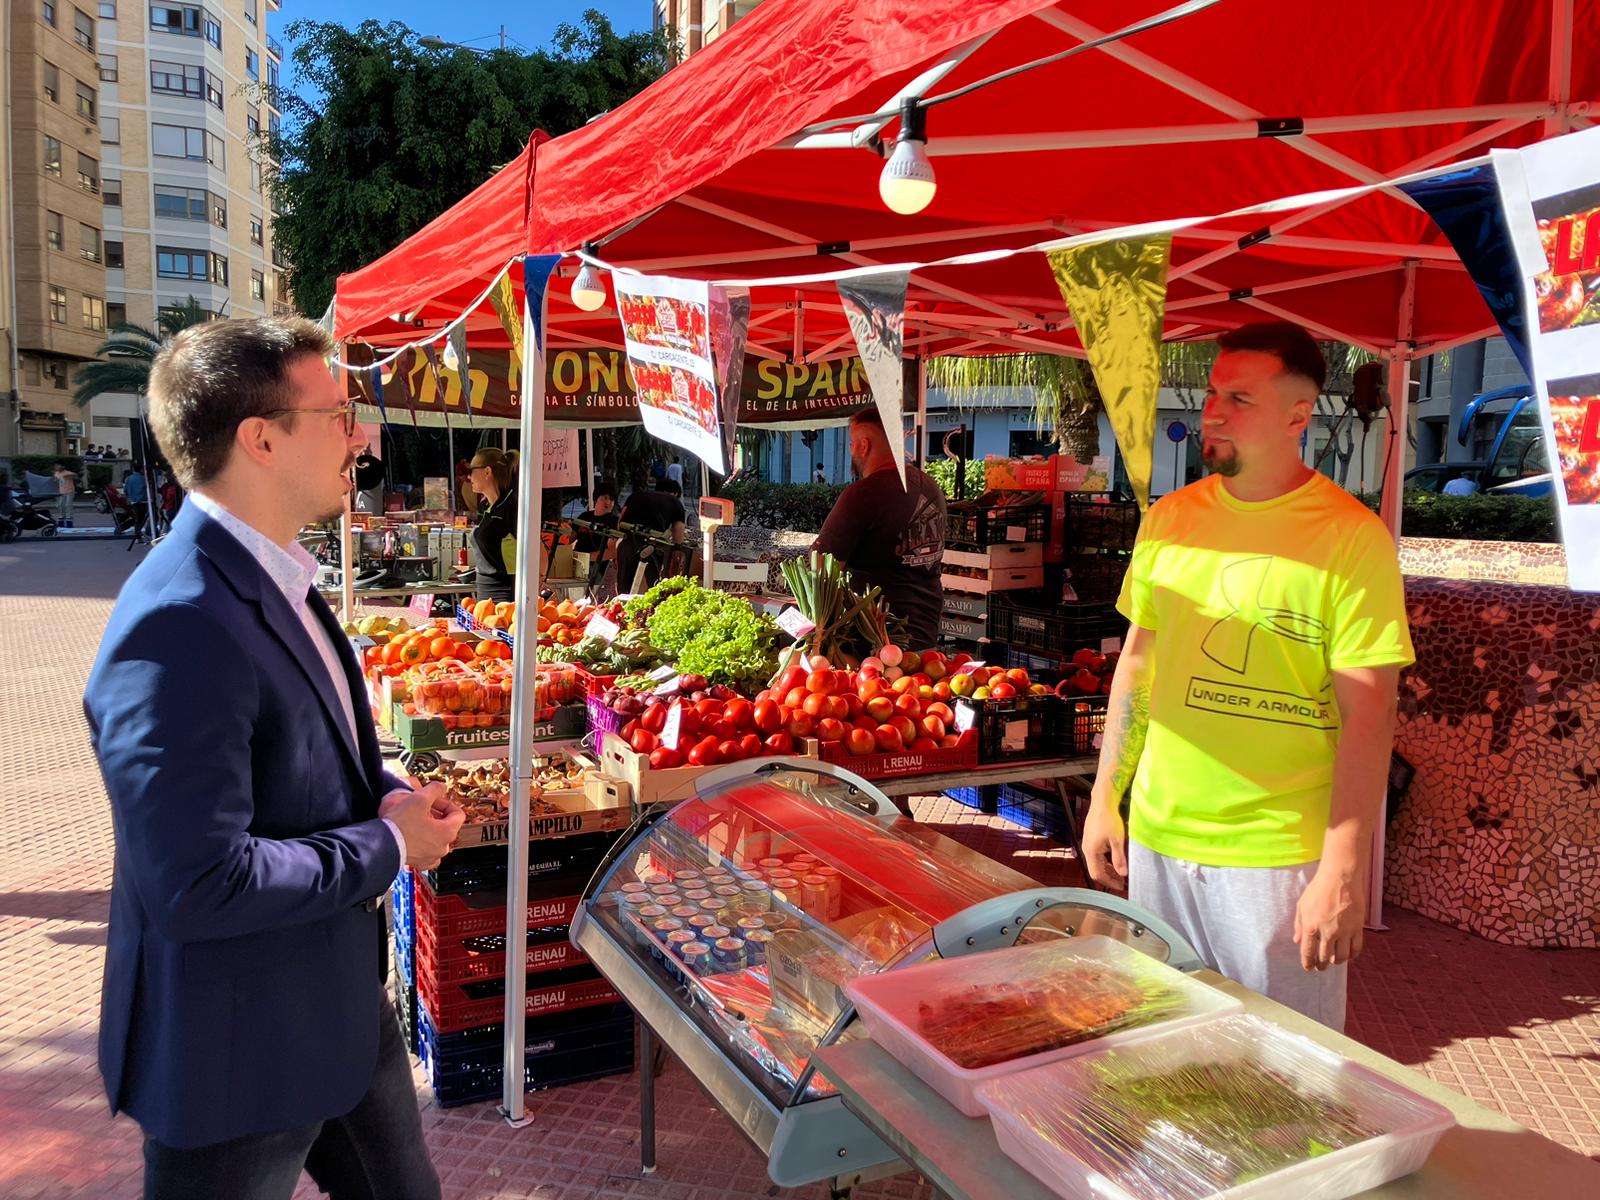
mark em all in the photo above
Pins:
pixel 657 509
pixel 887 535
pixel 598 545
pixel 494 479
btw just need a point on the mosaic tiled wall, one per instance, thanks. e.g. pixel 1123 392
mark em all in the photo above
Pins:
pixel 1500 830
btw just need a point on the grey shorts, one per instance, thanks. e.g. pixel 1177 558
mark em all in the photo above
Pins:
pixel 1240 920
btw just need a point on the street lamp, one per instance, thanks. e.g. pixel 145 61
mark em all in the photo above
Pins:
pixel 438 43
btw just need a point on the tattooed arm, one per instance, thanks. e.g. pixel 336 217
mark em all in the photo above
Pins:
pixel 1127 722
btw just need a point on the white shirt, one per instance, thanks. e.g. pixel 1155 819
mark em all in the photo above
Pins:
pixel 293 571
pixel 675 473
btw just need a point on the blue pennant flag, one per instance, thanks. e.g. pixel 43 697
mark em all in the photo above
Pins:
pixel 536 272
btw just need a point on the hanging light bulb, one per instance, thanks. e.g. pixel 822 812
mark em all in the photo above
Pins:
pixel 588 289
pixel 451 362
pixel 907 184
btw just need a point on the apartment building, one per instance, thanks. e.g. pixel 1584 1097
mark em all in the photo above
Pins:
pixel 138 150
pixel 698 23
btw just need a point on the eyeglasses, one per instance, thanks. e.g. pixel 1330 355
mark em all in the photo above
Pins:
pixel 348 411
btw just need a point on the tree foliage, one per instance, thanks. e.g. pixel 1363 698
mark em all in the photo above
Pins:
pixel 387 134
pixel 125 356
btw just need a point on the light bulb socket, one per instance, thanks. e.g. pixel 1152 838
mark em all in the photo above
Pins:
pixel 913 122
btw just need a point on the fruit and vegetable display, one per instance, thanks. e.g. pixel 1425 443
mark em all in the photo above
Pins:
pixel 714 724
pixel 847 626
pixel 1088 673
pixel 483 789
pixel 377 626
pixel 630 653
pixel 707 632
pixel 478 694
pixel 493 614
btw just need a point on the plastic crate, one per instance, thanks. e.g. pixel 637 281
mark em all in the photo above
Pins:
pixel 603 719
pixel 1010 730
pixel 404 996
pixel 1080 722
pixel 1040 624
pixel 1036 810
pixel 961 629
pixel 467 1067
pixel 483 912
pixel 977 523
pixel 403 915
pixel 556 866
pixel 972 608
pixel 1096 522
pixel 467 960
pixel 456 1006
pixel 984 799
pixel 1096 576
pixel 1046 668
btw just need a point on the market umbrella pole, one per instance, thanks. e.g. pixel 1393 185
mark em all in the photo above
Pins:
pixel 524 710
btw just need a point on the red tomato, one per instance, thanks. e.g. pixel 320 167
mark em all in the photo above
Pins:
pixel 750 745
pixel 741 713
pixel 794 677
pixel 830 730
pixel 854 706
pixel 723 729
pixel 655 717
pixel 800 725
pixel 643 741
pixel 709 709
pixel 730 751
pixel 628 730
pixel 767 717
pixel 664 758
pixel 816 705
pixel 779 743
pixel 795 697
pixel 704 753
pixel 839 708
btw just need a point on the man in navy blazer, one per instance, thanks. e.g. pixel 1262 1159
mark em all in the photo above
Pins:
pixel 244 1022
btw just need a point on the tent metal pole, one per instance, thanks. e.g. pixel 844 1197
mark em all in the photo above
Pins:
pixel 450 455
pixel 1287 285
pixel 1559 119
pixel 1400 356
pixel 524 715
pixel 347 584
pixel 864 244
pixel 588 438
pixel 920 428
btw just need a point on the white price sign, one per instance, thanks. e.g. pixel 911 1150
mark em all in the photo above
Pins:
pixel 969 668
pixel 965 715
pixel 673 729
pixel 793 622
pixel 668 686
pixel 602 627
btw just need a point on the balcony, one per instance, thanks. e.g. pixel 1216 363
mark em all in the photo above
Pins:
pixel 273 48
pixel 89 184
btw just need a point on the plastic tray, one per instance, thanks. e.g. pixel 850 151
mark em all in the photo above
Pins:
pixel 1040 1119
pixel 888 1004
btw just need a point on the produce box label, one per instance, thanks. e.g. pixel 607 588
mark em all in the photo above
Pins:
pixel 602 627
pixel 673 730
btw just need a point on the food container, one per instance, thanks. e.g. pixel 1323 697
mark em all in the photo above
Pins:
pixel 1230 1109
pixel 960 1022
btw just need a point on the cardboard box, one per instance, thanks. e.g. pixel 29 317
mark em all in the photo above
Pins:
pixel 556 814
pixel 1074 476
pixel 1003 556
pixel 430 733
pixel 997 581
pixel 1018 474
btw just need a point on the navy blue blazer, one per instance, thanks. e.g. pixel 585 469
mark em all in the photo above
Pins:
pixel 243 965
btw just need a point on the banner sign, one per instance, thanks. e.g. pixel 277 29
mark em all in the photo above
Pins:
pixel 1551 195
pixel 876 310
pixel 594 387
pixel 561 459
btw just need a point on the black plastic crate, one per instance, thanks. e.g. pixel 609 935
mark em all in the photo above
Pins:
pixel 559 866
pixel 1009 730
pixel 1036 810
pixel 983 522
pixel 1045 668
pixel 984 798
pixel 404 996
pixel 467 1067
pixel 1096 522
pixel 1095 576
pixel 1079 723
pixel 1040 624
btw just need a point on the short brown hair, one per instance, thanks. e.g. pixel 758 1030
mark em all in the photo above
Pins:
pixel 210 378
pixel 1291 345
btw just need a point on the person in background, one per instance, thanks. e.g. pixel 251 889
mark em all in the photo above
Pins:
pixel 658 509
pixel 820 476
pixel 244 1021
pixel 66 493
pixel 888 534
pixel 598 546
pixel 493 476
pixel 675 473
pixel 466 498
pixel 136 490
pixel 369 482
pixel 170 496
pixel 1251 716
pixel 1462 485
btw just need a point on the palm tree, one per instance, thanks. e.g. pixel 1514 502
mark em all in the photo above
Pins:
pixel 125 356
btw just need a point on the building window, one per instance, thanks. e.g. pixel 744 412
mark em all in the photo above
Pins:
pixel 89 174
pixel 87 102
pixel 52 156
pixel 178 141
pixel 181 204
pixel 250 11
pixel 58 305
pixel 54 230
pixel 272 76
pixel 214 91
pixel 219 268
pixel 214 31
pixel 252 64
pixel 177 79
pixel 47 13
pixel 83 29
pixel 108 9
pixel 94 313
pixel 111 130
pixel 280 285
pixel 55 373
pixel 256 232
pixel 258 286
pixel 89 243
pixel 108 68
pixel 173 263
pixel 114 256
pixel 252 126
pixel 52 83
pixel 172 18
pixel 116 314
pixel 111 192
pixel 217 151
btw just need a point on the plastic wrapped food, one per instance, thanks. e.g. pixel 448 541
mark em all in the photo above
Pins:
pixel 1202 1111
pixel 958 1022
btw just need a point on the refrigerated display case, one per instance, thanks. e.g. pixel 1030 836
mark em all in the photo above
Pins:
pixel 731 922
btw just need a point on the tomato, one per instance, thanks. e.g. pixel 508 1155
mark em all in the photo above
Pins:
pixel 704 753
pixel 741 713
pixel 655 717
pixel 795 697
pixel 854 706
pixel 643 741
pixel 628 730
pixel 750 745
pixel 664 758
pixel 816 705
pixel 766 716
pixel 800 725
pixel 730 751
pixel 779 743
pixel 794 677
pixel 723 729
pixel 709 709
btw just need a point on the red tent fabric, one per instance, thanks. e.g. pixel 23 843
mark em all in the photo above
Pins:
pixel 697 175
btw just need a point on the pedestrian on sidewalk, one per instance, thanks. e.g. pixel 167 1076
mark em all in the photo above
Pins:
pixel 66 493
pixel 244 1022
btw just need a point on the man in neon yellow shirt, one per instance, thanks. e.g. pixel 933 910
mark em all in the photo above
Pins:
pixel 1252 713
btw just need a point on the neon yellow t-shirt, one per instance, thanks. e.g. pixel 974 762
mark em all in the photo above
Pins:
pixel 1253 606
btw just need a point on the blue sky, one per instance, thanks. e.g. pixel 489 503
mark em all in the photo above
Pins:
pixel 471 22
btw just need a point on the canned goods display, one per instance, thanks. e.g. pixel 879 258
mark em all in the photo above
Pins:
pixel 728 954
pixel 755 896
pixel 701 921
pixel 679 938
pixel 684 912
pixel 713 933
pixel 816 898
pixel 786 887
pixel 634 901
pixel 684 877
pixel 696 956
pixel 634 887
pixel 662 926
pixel 652 912
pixel 835 884
pixel 694 895
pixel 755 946
pixel 808 861
pixel 714 905
pixel 654 879
pixel 665 889
pixel 770 863
pixel 728 891
pixel 746 924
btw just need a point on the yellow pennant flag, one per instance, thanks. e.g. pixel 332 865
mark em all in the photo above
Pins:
pixel 504 300
pixel 1117 294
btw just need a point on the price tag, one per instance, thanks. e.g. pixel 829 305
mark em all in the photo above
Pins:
pixel 1107 645
pixel 969 668
pixel 602 627
pixel 1016 533
pixel 361 641
pixel 793 622
pixel 673 729
pixel 422 605
pixel 965 715
pixel 1015 736
pixel 661 673
pixel 667 686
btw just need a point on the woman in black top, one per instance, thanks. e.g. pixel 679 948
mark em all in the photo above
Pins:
pixel 494 477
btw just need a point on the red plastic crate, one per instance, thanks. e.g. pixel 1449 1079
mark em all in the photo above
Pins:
pixel 455 1007
pixel 594 685
pixel 461 916
pixel 464 960
pixel 901 762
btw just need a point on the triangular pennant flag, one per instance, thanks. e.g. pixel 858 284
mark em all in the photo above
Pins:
pixel 375 380
pixel 458 349
pixel 876 310
pixel 1466 207
pixel 1117 294
pixel 504 298
pixel 730 329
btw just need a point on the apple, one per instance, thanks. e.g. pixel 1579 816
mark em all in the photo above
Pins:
pixel 860 741
pixel 800 725
pixel 854 706
pixel 959 660
pixel 981 694
pixel 890 655
pixel 819 682
pixel 1085 657
pixel 909 705
pixel 903 685
pixel 1038 689
pixel 907 728
pixel 872 663
pixel 963 685
pixel 872 686
pixel 940 710
pixel 911 661
pixel 933 726
pixel 933 666
pixel 948 741
pixel 888 739
pixel 1018 678
pixel 838 708
pixel 865 722
pixel 816 705
pixel 925 692
pixel 880 708
pixel 941 691
pixel 830 730
pixel 795 697
pixel 1003 690
pixel 922 679
pixel 892 673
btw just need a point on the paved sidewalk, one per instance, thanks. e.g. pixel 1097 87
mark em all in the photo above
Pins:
pixel 1517 1030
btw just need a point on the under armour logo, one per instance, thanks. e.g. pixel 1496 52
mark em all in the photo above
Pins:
pixel 1229 641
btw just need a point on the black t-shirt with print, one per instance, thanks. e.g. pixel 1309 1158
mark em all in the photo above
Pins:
pixel 893 537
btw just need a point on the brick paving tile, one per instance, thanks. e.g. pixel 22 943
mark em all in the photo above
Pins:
pixel 1517 1029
